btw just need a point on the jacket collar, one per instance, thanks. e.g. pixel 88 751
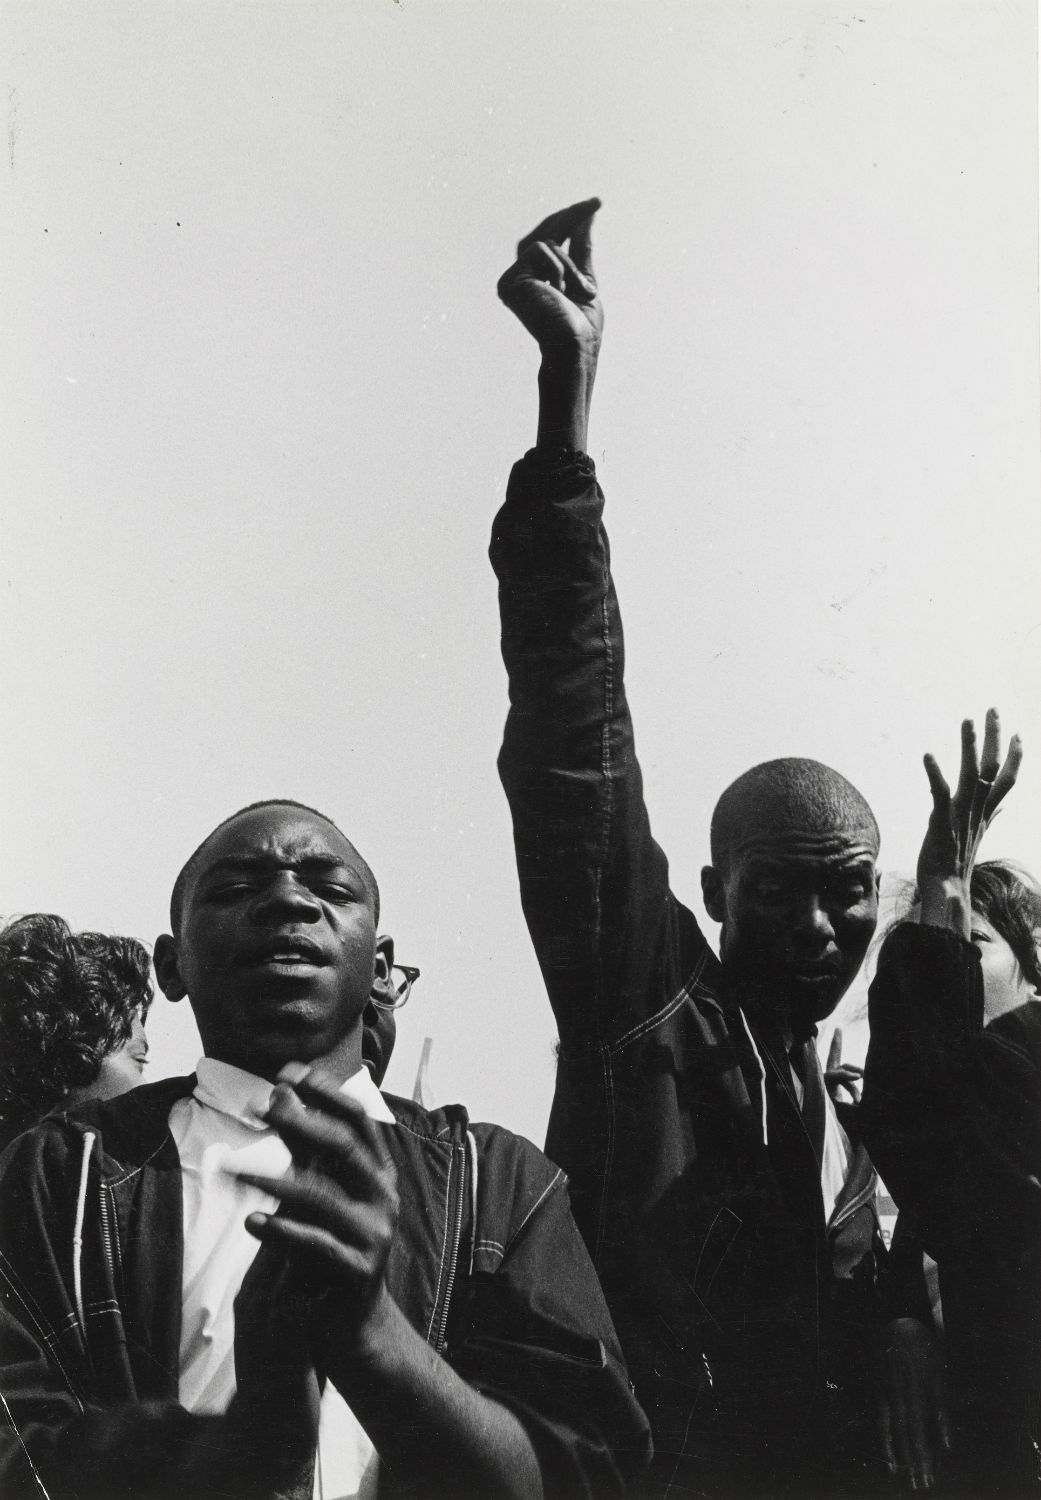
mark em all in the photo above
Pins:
pixel 132 1126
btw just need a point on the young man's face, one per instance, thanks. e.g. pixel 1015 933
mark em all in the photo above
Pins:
pixel 277 950
pixel 798 913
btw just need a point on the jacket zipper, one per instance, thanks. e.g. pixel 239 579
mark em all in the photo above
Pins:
pixel 106 1235
pixel 457 1183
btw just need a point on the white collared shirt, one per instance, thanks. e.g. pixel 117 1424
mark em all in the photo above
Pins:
pixel 219 1131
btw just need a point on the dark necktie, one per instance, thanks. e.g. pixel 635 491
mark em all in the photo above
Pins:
pixel 807 1067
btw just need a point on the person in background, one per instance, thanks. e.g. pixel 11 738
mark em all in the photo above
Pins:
pixel 380 1024
pixel 728 1204
pixel 72 1014
pixel 952 1113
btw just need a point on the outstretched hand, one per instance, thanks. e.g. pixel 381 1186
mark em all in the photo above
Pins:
pixel 959 821
pixel 338 1202
pixel 551 287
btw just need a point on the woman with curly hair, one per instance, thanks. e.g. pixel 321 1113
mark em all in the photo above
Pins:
pixel 72 1010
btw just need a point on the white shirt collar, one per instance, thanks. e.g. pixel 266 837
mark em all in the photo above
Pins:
pixel 244 1097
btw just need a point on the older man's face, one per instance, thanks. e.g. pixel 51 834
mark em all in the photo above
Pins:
pixel 800 908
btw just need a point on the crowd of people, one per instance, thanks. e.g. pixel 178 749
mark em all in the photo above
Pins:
pixel 271 1279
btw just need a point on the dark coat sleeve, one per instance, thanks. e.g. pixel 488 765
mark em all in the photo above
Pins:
pixel 536 1335
pixel 951 1112
pixel 609 937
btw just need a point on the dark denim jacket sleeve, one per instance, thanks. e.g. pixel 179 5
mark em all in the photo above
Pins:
pixel 594 884
pixel 536 1334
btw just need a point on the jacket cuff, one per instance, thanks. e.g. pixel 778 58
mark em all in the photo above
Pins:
pixel 921 943
pixel 551 474
pixel 938 968
pixel 553 459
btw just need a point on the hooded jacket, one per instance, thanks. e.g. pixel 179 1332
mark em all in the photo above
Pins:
pixel 746 1322
pixel 486 1264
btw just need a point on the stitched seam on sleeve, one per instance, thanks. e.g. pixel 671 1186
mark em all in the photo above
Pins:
pixel 556 1181
pixel 39 1327
pixel 606 814
pixel 686 992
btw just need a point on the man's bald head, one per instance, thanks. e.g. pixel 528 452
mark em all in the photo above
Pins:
pixel 793 883
pixel 799 797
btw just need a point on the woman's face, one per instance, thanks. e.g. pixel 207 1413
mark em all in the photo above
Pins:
pixel 120 1071
pixel 1004 984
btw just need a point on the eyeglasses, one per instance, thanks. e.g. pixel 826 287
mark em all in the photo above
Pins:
pixel 404 989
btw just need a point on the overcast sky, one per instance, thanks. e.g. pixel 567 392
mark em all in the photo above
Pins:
pixel 260 404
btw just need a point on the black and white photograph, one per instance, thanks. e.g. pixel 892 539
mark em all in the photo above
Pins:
pixel 520 917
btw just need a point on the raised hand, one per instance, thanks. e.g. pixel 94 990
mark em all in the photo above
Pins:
pixel 338 1202
pixel 957 823
pixel 552 289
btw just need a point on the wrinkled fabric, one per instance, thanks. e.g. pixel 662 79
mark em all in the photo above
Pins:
pixel 746 1325
pixel 952 1112
pixel 491 1272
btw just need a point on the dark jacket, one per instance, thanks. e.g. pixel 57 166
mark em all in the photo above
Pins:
pixel 486 1264
pixel 745 1348
pixel 952 1112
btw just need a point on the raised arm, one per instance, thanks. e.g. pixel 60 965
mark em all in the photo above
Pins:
pixel 946 1102
pixel 594 885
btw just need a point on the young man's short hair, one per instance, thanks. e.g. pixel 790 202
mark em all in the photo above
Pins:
pixel 190 866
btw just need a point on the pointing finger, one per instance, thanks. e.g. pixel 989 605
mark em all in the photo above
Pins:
pixel 835 1050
